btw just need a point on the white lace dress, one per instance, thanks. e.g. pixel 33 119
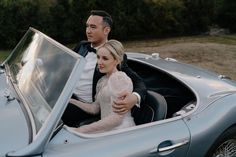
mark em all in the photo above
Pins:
pixel 108 89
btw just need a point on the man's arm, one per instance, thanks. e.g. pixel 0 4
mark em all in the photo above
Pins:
pixel 122 106
pixel 138 83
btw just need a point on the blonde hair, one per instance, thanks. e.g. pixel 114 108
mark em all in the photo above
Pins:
pixel 115 48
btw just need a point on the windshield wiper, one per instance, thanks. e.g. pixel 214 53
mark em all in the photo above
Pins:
pixel 2 66
pixel 2 69
pixel 8 95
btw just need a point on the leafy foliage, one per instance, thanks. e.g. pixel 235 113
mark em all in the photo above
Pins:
pixel 227 14
pixel 65 20
pixel 15 18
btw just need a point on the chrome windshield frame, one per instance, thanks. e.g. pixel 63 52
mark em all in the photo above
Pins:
pixel 43 134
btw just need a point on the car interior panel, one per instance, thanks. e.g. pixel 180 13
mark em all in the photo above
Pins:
pixel 176 94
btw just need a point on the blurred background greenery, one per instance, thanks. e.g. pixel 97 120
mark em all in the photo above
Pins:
pixel 64 20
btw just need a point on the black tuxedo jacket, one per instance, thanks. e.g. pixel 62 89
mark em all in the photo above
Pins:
pixel 84 47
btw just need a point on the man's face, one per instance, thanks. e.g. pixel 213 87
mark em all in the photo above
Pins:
pixel 96 31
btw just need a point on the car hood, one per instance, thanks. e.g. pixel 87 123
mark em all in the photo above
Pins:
pixel 207 86
pixel 14 132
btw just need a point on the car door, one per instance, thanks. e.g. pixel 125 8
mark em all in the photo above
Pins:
pixel 167 138
pixel 170 139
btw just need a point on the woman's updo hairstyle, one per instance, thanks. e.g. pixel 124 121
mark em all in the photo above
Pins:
pixel 115 48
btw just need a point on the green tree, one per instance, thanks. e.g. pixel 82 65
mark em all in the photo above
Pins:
pixel 227 15
pixel 79 13
pixel 64 20
pixel 15 18
pixel 130 17
pixel 60 22
pixel 166 17
pixel 198 15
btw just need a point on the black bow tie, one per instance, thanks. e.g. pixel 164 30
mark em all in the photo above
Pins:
pixel 91 49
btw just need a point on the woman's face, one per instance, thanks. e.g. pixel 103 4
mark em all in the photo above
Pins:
pixel 106 62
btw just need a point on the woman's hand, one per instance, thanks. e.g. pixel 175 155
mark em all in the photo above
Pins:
pixel 74 101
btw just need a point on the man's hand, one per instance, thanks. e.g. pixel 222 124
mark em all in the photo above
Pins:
pixel 124 103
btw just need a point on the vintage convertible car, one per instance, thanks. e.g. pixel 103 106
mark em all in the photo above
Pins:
pixel 191 112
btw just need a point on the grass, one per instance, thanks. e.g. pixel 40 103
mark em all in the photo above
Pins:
pixel 215 53
pixel 4 54
pixel 223 39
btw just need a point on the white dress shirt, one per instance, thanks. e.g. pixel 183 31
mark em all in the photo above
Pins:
pixel 83 89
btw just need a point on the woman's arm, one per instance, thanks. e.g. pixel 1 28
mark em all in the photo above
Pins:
pixel 92 108
pixel 102 125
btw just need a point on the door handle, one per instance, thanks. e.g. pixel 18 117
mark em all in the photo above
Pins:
pixel 173 146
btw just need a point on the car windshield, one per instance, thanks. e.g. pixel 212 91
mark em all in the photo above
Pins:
pixel 40 67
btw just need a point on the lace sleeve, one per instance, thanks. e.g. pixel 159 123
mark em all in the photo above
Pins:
pixel 118 83
pixel 102 125
pixel 93 108
pixel 99 86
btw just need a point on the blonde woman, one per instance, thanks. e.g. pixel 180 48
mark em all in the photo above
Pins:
pixel 109 88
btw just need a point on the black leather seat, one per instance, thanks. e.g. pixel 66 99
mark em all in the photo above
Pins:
pixel 154 109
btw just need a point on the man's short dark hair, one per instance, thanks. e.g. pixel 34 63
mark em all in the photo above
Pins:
pixel 106 17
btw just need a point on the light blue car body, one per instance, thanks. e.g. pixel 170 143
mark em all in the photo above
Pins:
pixel 188 134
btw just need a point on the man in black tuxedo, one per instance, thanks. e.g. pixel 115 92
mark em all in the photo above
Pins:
pixel 98 27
